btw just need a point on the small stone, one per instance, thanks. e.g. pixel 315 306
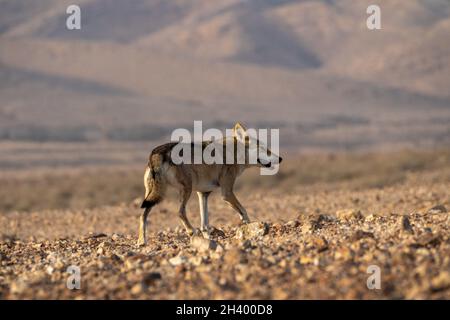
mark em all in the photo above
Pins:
pixel 307 260
pixel 441 281
pixel 319 243
pixel 317 222
pixel 134 262
pixel 324 218
pixel 428 239
pixel 115 237
pixel 92 235
pixel 49 269
pixel 178 260
pixel 196 261
pixel 137 289
pixel 235 256
pixel 292 224
pixel 349 214
pixel 406 225
pixel 18 287
pixel 360 234
pixel 203 244
pixel 438 209
pixel 343 253
pixel 217 233
pixel 247 244
pixel 37 245
pixel 309 226
pixel 150 278
pixel 252 230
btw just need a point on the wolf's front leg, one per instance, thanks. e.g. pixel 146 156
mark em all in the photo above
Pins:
pixel 231 199
pixel 203 202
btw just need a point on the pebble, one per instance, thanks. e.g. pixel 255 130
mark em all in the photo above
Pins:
pixel 252 230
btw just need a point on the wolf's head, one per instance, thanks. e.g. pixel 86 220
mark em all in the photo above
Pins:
pixel 255 148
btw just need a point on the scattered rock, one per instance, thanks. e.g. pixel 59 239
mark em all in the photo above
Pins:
pixel 252 230
pixel 428 238
pixel 325 218
pixel 330 262
pixel 235 256
pixel 216 233
pixel 115 237
pixel 178 260
pixel 306 259
pixel 370 218
pixel 292 224
pixel 318 243
pixel 150 278
pixel 134 261
pixel 360 234
pixel 343 253
pixel 438 209
pixel 92 235
pixel 348 214
pixel 406 225
pixel 203 244
pixel 441 281
pixel 137 289
pixel 309 226
pixel 18 287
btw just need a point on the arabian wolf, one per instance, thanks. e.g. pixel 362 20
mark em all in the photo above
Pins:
pixel 203 178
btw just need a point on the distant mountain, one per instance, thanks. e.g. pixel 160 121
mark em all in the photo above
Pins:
pixel 311 67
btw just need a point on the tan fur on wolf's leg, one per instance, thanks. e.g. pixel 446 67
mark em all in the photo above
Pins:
pixel 203 204
pixel 184 197
pixel 231 199
pixel 142 241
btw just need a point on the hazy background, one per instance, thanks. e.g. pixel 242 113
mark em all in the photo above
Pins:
pixel 138 69
pixel 108 93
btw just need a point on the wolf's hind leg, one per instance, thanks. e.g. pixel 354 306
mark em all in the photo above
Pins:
pixel 203 203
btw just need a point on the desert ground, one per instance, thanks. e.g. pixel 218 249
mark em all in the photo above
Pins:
pixel 363 117
pixel 316 228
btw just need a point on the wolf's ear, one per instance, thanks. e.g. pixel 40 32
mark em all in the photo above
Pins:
pixel 240 132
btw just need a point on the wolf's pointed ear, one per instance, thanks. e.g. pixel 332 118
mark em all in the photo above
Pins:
pixel 240 132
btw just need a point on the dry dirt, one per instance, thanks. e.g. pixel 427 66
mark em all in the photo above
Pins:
pixel 307 243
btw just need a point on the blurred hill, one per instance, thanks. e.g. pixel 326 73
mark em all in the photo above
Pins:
pixel 137 70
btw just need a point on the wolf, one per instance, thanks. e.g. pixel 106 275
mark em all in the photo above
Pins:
pixel 161 172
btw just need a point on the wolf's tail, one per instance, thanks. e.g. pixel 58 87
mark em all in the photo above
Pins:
pixel 154 186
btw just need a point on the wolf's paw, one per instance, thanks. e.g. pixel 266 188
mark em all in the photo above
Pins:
pixel 141 242
pixel 194 232
pixel 206 234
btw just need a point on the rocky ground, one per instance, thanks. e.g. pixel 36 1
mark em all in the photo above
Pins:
pixel 311 243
